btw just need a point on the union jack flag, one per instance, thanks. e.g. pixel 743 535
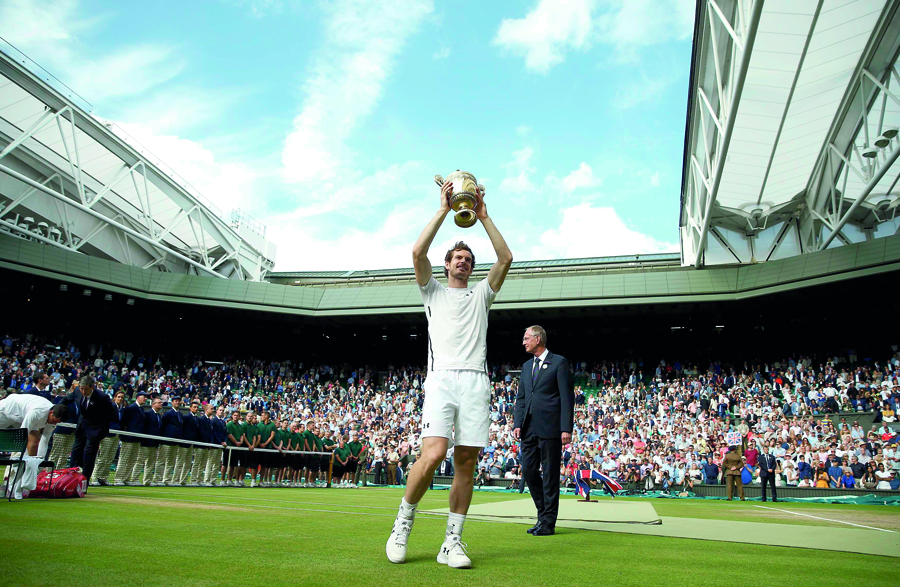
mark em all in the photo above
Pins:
pixel 583 488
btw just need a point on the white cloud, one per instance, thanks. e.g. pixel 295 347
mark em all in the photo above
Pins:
pixel 632 24
pixel 588 231
pixel 547 32
pixel 226 185
pixel 583 177
pixel 48 31
pixel 654 179
pixel 518 172
pixel 552 29
pixel 260 8
pixel 648 90
pixel 523 130
pixel 363 40
pixel 442 53
pixel 177 108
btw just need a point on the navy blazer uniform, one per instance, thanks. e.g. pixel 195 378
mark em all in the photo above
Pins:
pixel 190 429
pixel 171 425
pixel 153 427
pixel 219 433
pixel 204 432
pixel 132 421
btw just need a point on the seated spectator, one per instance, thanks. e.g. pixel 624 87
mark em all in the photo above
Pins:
pixel 847 480
pixel 822 479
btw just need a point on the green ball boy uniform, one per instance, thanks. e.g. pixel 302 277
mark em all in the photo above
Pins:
pixel 267 459
pixel 279 460
pixel 341 455
pixel 355 449
pixel 324 444
pixel 250 435
pixel 235 429
pixel 298 442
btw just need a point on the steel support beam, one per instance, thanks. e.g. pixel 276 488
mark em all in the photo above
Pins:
pixel 91 212
pixel 889 161
pixel 736 91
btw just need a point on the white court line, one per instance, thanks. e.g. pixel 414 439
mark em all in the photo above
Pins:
pixel 277 507
pixel 109 490
pixel 125 491
pixel 253 505
pixel 826 519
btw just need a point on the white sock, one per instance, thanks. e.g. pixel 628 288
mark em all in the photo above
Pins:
pixel 408 510
pixel 455 524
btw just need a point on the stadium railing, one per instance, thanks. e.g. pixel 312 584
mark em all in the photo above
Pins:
pixel 177 441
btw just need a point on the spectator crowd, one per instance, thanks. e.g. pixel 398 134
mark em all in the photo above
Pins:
pixel 652 427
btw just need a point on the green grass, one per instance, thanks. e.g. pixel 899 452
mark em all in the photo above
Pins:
pixel 193 536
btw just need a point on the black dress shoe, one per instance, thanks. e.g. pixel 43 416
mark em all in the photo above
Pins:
pixel 544 531
pixel 534 528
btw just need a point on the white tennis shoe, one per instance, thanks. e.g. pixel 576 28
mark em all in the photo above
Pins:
pixel 453 553
pixel 396 544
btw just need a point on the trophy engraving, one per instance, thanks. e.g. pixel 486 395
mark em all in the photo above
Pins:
pixel 464 197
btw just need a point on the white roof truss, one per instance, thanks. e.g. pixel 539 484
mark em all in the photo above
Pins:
pixel 791 127
pixel 85 188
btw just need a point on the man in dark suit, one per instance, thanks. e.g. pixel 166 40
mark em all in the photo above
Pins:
pixel 544 417
pixel 149 447
pixel 172 422
pixel 95 412
pixel 220 435
pixel 767 466
pixel 110 445
pixel 41 386
pixel 190 430
pixel 201 453
pixel 132 421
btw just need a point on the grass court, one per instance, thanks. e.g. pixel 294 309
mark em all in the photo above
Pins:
pixel 238 536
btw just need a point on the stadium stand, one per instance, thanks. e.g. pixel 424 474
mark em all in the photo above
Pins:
pixel 829 421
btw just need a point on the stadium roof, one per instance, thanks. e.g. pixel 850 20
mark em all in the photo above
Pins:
pixel 792 128
pixel 656 259
pixel 73 181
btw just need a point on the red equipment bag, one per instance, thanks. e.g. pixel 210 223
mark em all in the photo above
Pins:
pixel 62 483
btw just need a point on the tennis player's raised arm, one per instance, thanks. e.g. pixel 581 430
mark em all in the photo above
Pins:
pixel 497 274
pixel 421 264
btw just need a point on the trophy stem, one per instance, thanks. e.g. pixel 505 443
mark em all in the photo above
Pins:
pixel 465 218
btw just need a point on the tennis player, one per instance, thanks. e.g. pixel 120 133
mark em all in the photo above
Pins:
pixel 457 389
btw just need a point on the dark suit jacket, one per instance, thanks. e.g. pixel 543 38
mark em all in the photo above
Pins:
pixel 93 420
pixel 550 400
pixel 116 423
pixel 218 430
pixel 204 432
pixel 152 426
pixel 171 424
pixel 132 421
pixel 766 462
pixel 190 429
pixel 72 418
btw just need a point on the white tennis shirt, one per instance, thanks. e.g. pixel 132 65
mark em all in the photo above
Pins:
pixel 26 410
pixel 457 325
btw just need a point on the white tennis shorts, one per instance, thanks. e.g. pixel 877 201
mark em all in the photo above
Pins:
pixel 460 400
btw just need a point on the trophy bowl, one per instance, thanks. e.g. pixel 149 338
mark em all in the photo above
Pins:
pixel 464 197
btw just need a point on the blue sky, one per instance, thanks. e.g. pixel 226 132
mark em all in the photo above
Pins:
pixel 328 120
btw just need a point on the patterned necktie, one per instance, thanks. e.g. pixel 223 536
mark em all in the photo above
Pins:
pixel 536 370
